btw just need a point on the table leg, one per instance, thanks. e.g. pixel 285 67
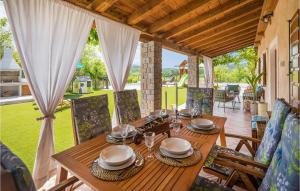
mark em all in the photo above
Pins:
pixel 61 175
pixel 222 137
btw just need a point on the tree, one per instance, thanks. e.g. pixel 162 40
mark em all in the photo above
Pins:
pixel 5 36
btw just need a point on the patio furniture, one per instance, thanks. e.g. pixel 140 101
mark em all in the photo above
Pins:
pixel 222 96
pixel 248 94
pixel 90 117
pixel 15 176
pixel 204 184
pixel 153 176
pixel 235 89
pixel 283 171
pixel 127 106
pixel 263 156
pixel 203 96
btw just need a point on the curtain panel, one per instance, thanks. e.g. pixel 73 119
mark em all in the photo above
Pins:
pixel 209 73
pixel 50 37
pixel 118 43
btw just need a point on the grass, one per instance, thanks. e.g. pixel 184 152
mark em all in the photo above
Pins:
pixel 20 131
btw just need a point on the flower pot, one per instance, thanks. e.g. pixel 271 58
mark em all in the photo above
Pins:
pixel 253 108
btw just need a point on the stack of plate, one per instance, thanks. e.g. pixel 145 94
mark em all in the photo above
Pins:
pixel 185 113
pixel 202 124
pixel 116 157
pixel 176 148
pixel 116 132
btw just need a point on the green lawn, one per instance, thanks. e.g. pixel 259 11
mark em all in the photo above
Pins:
pixel 19 130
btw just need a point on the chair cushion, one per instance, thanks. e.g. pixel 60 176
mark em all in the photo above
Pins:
pixel 127 106
pixel 272 133
pixel 204 184
pixel 91 117
pixel 256 118
pixel 15 165
pixel 218 168
pixel 284 170
pixel 203 94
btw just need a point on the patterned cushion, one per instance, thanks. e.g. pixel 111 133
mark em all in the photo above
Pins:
pixel 272 133
pixel 127 106
pixel 256 118
pixel 202 96
pixel 91 117
pixel 15 165
pixel 284 170
pixel 204 184
pixel 218 168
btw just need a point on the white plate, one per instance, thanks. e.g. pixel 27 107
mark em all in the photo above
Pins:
pixel 116 132
pixel 202 128
pixel 176 145
pixel 166 153
pixel 104 165
pixel 202 123
pixel 184 112
pixel 116 154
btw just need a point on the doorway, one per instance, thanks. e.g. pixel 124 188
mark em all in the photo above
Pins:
pixel 273 73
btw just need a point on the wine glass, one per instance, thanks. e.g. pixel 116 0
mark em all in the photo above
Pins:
pixel 149 142
pixel 176 126
pixel 124 132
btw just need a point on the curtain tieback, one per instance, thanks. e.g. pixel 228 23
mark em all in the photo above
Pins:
pixel 45 117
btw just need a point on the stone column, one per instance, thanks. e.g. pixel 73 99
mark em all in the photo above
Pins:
pixel 151 83
pixel 193 70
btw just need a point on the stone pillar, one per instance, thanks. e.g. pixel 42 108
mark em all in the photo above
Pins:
pixel 193 70
pixel 151 83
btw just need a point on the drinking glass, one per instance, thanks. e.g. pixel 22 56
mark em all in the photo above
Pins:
pixel 176 126
pixel 124 132
pixel 149 142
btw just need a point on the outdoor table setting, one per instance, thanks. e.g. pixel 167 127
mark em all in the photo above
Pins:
pixel 161 159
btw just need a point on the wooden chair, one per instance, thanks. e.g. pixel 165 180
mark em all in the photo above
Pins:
pixel 224 97
pixel 16 176
pixel 90 117
pixel 127 106
pixel 283 171
pixel 262 157
pixel 204 184
pixel 204 96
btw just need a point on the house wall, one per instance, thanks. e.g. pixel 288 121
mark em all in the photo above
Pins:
pixel 277 36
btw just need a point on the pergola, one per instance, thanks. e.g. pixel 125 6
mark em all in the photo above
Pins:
pixel 196 28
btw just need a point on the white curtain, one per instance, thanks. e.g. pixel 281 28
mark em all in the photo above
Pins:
pixel 50 37
pixel 118 43
pixel 209 73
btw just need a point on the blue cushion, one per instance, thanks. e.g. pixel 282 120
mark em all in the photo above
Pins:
pixel 256 118
pixel 272 133
pixel 15 165
pixel 283 172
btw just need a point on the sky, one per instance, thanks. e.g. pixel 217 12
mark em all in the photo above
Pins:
pixel 170 59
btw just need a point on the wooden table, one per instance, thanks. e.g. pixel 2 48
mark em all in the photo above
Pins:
pixel 154 175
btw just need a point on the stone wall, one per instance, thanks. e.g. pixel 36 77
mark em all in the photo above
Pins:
pixel 193 70
pixel 151 83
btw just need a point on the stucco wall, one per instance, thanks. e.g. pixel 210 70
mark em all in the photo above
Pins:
pixel 277 35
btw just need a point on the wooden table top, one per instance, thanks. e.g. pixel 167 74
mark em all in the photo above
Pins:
pixel 155 175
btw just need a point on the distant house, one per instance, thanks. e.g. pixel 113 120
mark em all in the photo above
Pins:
pixel 11 81
pixel 82 85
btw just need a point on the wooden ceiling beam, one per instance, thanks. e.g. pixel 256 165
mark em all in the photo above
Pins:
pixel 242 15
pixel 143 12
pixel 101 5
pixel 177 14
pixel 234 38
pixel 222 31
pixel 216 12
pixel 224 47
pixel 231 50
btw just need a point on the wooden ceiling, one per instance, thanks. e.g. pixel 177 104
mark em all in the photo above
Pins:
pixel 206 27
